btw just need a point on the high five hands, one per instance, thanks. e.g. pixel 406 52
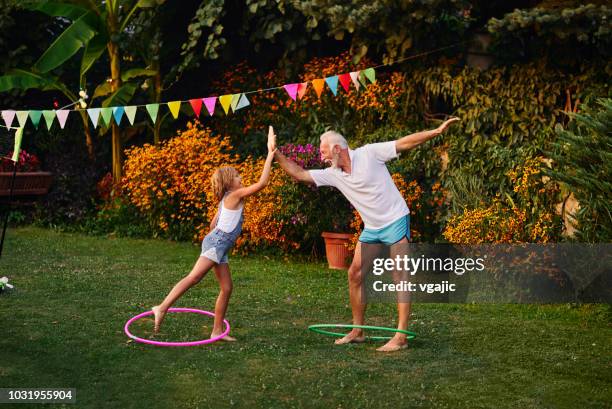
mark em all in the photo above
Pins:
pixel 271 139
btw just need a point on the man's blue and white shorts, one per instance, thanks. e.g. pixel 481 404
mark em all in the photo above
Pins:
pixel 388 235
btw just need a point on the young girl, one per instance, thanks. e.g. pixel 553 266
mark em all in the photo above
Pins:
pixel 225 229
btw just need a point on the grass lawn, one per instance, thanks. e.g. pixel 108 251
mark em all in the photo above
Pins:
pixel 63 327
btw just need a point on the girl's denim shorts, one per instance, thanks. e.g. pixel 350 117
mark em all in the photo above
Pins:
pixel 216 245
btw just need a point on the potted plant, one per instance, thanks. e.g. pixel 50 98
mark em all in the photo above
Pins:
pixel 29 180
pixel 337 249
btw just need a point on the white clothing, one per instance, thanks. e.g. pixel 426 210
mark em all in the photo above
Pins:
pixel 228 219
pixel 369 187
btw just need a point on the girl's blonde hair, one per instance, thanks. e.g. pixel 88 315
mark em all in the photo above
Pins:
pixel 221 180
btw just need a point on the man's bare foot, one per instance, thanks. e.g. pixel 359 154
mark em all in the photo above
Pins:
pixel 225 338
pixel 355 336
pixel 394 344
pixel 159 317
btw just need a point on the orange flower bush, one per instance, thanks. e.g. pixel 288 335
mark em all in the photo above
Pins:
pixel 261 226
pixel 525 219
pixel 168 183
pixel 492 224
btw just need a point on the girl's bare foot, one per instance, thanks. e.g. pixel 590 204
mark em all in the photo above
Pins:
pixel 225 338
pixel 355 336
pixel 159 317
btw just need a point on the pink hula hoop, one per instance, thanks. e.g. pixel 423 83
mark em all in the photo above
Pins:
pixel 126 329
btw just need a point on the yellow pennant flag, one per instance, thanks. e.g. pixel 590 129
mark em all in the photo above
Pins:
pixel 225 101
pixel 175 107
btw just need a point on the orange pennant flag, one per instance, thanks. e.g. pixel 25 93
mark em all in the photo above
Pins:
pixel 318 85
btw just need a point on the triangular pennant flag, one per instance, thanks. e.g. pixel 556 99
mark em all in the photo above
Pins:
pixel 118 114
pixel 94 115
pixel 370 74
pixel 175 107
pixel 318 85
pixel 17 146
pixel 22 117
pixel 107 114
pixel 235 99
pixel 49 117
pixel 362 79
pixel 35 117
pixel 8 117
pixel 332 83
pixel 345 80
pixel 302 89
pixel 291 90
pixel 62 116
pixel 210 104
pixel 225 101
pixel 130 112
pixel 153 109
pixel 243 102
pixel 355 77
pixel 196 105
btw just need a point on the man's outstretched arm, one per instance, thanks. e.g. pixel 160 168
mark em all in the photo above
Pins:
pixel 292 168
pixel 415 139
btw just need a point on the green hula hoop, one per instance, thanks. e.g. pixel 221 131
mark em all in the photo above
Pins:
pixel 317 328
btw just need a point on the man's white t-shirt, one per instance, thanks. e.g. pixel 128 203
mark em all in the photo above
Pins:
pixel 369 187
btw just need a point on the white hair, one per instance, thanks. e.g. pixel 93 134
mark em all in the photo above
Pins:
pixel 333 138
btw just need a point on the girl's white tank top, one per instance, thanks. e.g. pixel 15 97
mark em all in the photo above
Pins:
pixel 228 219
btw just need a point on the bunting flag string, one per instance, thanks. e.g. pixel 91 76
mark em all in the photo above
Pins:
pixel 229 102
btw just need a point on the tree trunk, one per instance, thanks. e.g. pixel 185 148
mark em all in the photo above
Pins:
pixel 113 52
pixel 88 138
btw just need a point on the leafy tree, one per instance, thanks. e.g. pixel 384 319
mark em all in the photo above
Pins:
pixel 582 161
pixel 567 31
pixel 95 28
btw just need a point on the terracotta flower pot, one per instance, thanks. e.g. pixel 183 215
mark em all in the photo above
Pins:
pixel 336 250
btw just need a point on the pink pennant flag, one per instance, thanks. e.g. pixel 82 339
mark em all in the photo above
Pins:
pixel 291 90
pixel 62 116
pixel 302 89
pixel 210 104
pixel 196 104
pixel 345 80
pixel 355 78
pixel 8 117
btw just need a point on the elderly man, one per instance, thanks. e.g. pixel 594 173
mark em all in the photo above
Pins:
pixel 363 178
